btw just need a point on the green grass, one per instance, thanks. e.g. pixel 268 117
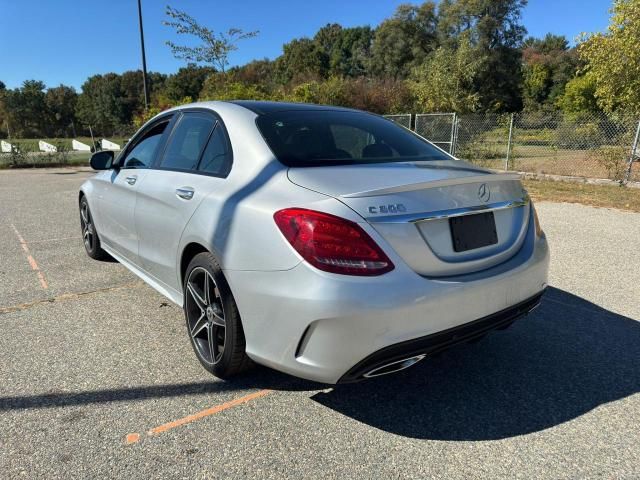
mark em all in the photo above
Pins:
pixel 547 160
pixel 609 196
pixel 45 160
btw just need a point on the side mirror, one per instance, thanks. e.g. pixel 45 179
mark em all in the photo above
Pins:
pixel 102 160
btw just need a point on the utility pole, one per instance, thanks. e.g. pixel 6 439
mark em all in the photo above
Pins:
pixel 144 59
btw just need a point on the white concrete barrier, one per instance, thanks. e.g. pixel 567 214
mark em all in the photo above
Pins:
pixel 5 147
pixel 46 147
pixel 79 146
pixel 108 145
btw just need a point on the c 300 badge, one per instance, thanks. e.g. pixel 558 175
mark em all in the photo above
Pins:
pixel 391 208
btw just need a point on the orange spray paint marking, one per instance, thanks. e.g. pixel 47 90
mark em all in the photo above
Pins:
pixel 135 437
pixel 30 259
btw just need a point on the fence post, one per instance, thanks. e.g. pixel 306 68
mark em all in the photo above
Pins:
pixel 454 146
pixel 632 156
pixel 506 160
pixel 453 133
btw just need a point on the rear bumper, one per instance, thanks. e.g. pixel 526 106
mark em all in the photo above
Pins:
pixel 321 326
pixel 437 342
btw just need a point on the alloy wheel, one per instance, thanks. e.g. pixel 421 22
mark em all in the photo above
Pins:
pixel 88 230
pixel 205 315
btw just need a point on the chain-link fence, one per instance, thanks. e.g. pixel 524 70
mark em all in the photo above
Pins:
pixel 439 128
pixel 583 145
pixel 403 119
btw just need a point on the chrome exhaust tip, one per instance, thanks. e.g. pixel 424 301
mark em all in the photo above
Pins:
pixel 394 366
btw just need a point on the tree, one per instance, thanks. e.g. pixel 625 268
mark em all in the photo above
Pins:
pixel 351 52
pixel 579 96
pixel 375 95
pixel 27 110
pixel 445 82
pixel 302 59
pixel 132 91
pixel 547 65
pixel 404 41
pixel 61 105
pixel 215 47
pixel 100 104
pixel 256 71
pixel 496 33
pixel 186 82
pixel 224 87
pixel 612 61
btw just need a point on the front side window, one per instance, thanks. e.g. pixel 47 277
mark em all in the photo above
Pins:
pixel 142 153
pixel 300 138
pixel 187 142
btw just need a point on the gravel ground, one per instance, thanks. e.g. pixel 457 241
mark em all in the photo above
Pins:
pixel 98 355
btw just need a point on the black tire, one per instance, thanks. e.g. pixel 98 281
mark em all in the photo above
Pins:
pixel 208 305
pixel 90 236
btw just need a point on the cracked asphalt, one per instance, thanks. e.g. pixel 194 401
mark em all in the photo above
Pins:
pixel 98 380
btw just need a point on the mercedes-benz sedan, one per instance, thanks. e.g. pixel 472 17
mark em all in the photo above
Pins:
pixel 328 243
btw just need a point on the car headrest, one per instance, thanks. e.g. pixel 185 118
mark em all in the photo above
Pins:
pixel 377 150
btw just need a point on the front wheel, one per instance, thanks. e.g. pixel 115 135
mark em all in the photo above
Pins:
pixel 212 318
pixel 89 233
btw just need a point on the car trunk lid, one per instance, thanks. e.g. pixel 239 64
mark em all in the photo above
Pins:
pixel 411 205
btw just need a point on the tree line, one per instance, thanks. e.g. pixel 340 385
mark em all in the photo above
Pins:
pixel 457 55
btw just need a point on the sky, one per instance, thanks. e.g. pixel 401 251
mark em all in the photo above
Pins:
pixel 65 41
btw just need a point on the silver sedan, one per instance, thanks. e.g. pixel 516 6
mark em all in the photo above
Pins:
pixel 328 243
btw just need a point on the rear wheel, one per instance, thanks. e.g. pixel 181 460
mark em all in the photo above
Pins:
pixel 89 232
pixel 212 318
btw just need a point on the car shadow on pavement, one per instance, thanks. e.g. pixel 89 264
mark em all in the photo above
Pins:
pixel 563 360
pixel 256 378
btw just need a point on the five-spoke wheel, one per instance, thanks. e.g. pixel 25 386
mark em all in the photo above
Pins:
pixel 205 315
pixel 89 233
pixel 212 318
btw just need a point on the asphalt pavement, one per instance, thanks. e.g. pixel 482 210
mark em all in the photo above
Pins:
pixel 98 379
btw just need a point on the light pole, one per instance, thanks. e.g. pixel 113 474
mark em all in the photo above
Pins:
pixel 144 60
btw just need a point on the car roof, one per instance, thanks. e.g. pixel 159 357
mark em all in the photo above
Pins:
pixel 265 107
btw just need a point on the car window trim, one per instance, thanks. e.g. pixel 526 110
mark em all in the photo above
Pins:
pixel 225 134
pixel 139 136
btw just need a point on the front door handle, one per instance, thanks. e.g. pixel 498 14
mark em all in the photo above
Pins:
pixel 131 180
pixel 186 193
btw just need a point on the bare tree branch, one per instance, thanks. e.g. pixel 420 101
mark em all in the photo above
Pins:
pixel 215 47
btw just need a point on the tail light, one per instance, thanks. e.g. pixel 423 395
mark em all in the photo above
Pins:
pixel 331 243
pixel 539 231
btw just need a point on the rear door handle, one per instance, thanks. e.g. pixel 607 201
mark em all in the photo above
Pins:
pixel 186 193
pixel 131 180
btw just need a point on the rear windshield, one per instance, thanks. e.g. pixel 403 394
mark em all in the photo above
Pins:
pixel 329 137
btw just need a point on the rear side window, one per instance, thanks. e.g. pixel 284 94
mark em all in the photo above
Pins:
pixel 187 142
pixel 332 137
pixel 216 159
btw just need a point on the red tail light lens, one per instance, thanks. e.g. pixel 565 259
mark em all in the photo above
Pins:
pixel 331 243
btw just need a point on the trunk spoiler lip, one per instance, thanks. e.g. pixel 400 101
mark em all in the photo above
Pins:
pixel 445 182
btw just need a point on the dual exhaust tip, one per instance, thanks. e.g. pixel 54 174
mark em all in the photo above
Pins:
pixel 394 367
